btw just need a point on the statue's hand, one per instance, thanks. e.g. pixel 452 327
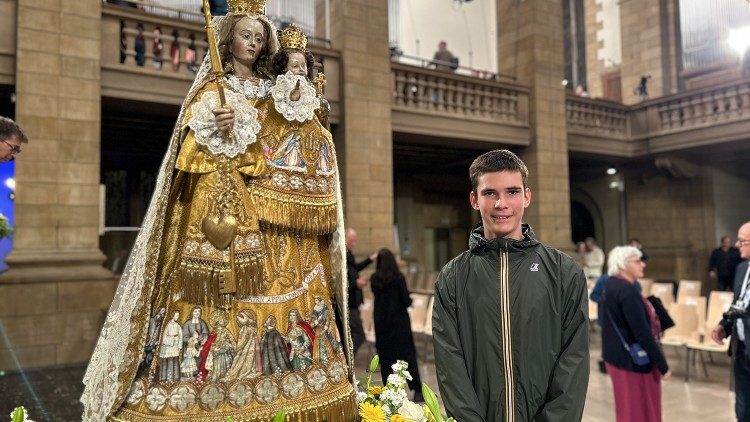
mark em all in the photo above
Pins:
pixel 295 94
pixel 224 118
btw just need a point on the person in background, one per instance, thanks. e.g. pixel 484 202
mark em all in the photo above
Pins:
pixel 627 318
pixel 393 337
pixel 11 138
pixel 356 283
pixel 444 59
pixel 593 259
pixel 637 244
pixel 579 254
pixel 737 327
pixel 597 295
pixel 723 263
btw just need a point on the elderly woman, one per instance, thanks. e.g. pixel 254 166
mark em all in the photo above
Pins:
pixel 629 318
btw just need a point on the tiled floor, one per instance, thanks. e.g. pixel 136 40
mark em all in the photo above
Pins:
pixel 52 395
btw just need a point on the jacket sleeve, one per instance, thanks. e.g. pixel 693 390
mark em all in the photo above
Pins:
pixel 712 262
pixel 637 320
pixel 363 264
pixel 456 389
pixel 598 290
pixel 566 394
pixel 403 292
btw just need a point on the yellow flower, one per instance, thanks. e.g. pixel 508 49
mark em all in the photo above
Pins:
pixel 371 413
pixel 375 390
pixel 398 418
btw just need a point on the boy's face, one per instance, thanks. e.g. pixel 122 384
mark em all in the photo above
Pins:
pixel 297 64
pixel 501 200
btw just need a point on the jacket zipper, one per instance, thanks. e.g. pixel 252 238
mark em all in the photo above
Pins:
pixel 505 337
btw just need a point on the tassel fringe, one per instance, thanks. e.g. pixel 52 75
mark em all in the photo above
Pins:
pixel 315 215
pixel 200 280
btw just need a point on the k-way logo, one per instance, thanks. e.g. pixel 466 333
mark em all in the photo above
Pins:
pixel 534 267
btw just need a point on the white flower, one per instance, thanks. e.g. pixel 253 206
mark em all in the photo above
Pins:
pixel 396 380
pixel 393 397
pixel 412 412
pixel 399 366
pixel 387 409
pixel 361 396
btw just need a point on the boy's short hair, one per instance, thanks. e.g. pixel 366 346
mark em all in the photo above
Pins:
pixel 497 160
pixel 9 128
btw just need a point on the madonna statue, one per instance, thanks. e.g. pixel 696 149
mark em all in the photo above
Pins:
pixel 243 248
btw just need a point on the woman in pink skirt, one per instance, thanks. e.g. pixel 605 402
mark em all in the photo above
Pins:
pixel 628 318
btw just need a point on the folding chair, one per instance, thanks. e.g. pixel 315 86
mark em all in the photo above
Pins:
pixel 688 288
pixel 690 318
pixel 718 303
pixel 664 291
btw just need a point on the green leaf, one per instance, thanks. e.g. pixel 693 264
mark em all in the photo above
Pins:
pixel 374 363
pixel 18 414
pixel 229 419
pixel 280 416
pixel 430 399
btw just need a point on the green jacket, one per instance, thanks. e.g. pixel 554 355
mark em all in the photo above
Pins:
pixel 510 328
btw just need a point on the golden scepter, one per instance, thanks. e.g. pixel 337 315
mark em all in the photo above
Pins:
pixel 213 50
pixel 221 229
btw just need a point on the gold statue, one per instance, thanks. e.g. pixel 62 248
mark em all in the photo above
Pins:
pixel 243 245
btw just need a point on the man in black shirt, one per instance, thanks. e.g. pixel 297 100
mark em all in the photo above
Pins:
pixel 356 283
pixel 723 263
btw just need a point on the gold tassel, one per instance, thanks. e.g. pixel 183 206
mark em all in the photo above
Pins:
pixel 307 215
pixel 200 281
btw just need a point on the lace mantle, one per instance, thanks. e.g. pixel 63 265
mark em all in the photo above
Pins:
pixel 251 89
pixel 301 110
pixel 207 133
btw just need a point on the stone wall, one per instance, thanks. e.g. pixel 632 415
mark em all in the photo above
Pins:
pixel 360 32
pixel 53 298
pixel 531 30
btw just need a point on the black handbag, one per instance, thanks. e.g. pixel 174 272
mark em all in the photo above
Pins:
pixel 665 321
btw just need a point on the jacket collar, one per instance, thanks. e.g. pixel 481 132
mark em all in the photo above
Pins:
pixel 477 242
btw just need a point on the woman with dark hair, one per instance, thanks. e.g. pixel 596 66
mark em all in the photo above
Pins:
pixel 393 336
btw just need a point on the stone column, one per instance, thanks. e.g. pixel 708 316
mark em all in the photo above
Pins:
pixel 649 47
pixel 530 46
pixel 364 138
pixel 53 298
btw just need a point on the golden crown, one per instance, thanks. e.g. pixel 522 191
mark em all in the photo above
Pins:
pixel 252 7
pixel 293 37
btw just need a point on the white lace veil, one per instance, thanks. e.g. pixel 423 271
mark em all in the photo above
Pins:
pixel 121 342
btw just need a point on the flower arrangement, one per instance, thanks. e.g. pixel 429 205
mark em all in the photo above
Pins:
pixel 389 403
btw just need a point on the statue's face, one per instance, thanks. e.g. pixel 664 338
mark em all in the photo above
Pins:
pixel 176 316
pixel 297 64
pixel 248 40
pixel 196 313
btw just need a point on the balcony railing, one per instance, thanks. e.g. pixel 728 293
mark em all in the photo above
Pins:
pixel 701 108
pixel 419 89
pixel 597 117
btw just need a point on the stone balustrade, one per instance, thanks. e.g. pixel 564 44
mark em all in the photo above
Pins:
pixel 431 91
pixel 701 108
pixel 596 116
